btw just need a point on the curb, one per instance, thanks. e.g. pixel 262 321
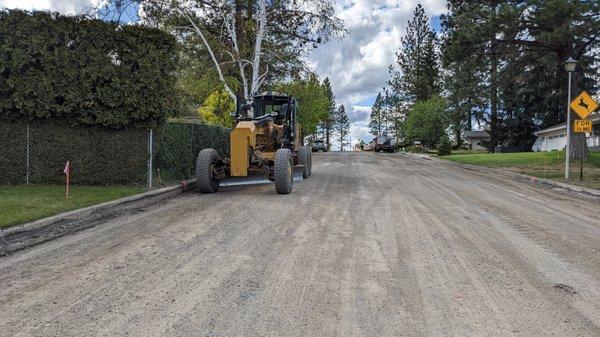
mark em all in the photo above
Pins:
pixel 29 234
pixel 588 192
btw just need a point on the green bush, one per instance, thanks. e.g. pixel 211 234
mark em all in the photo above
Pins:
pixel 103 156
pixel 427 122
pixel 178 145
pixel 99 156
pixel 444 147
pixel 83 71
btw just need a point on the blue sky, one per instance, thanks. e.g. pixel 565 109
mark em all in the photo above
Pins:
pixel 357 65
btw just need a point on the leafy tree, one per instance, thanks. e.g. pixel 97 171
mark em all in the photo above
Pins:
pixel 217 109
pixel 416 74
pixel 313 101
pixel 341 124
pixel 427 122
pixel 378 118
pixel 257 42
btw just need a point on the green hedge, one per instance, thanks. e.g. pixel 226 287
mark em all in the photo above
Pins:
pixel 85 71
pixel 99 156
pixel 178 145
pixel 103 156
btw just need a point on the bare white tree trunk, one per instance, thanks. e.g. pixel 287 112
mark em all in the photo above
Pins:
pixel 230 25
pixel 212 56
pixel 262 22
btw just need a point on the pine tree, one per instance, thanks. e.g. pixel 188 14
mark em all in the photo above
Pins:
pixel 416 74
pixel 516 60
pixel 327 124
pixel 342 124
pixel 378 116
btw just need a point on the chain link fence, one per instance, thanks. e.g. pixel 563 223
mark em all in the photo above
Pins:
pixel 37 153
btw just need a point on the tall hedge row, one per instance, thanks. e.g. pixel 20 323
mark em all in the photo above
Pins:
pixel 99 156
pixel 86 72
pixel 178 145
pixel 103 156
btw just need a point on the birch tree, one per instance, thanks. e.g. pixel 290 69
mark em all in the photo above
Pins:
pixel 253 41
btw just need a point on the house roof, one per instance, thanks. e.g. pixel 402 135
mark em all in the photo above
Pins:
pixel 477 135
pixel 595 119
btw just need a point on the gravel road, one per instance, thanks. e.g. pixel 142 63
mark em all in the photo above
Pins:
pixel 370 245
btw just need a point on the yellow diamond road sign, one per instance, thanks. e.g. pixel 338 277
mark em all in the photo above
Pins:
pixel 584 104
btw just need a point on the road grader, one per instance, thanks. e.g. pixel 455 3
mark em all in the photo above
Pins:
pixel 265 142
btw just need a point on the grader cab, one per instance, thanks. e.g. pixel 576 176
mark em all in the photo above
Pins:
pixel 265 144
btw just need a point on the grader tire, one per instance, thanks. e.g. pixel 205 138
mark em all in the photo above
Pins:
pixel 304 156
pixel 207 183
pixel 283 171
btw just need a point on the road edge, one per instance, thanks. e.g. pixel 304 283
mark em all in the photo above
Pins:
pixel 584 191
pixel 22 236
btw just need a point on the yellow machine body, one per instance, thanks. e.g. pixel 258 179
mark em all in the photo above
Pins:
pixel 241 139
pixel 248 136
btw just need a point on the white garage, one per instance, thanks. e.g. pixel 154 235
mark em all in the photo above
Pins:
pixel 555 137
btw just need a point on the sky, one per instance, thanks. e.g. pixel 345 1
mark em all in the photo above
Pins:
pixel 357 64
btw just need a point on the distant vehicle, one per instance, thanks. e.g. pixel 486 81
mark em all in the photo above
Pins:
pixel 384 143
pixel 319 145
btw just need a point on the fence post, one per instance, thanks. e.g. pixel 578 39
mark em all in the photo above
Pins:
pixel 150 155
pixel 191 167
pixel 28 154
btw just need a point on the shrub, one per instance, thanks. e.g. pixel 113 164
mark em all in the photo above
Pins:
pixel 103 156
pixel 83 71
pixel 427 122
pixel 178 145
pixel 445 147
pixel 99 156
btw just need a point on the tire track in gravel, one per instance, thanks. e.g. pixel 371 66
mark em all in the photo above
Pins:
pixel 370 245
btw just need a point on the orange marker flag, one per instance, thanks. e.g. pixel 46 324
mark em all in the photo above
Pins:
pixel 67 172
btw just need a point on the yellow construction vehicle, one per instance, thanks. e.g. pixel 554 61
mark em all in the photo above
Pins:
pixel 265 141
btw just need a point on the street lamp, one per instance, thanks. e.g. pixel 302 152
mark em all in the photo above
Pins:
pixel 569 65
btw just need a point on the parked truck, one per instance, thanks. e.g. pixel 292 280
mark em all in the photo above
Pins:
pixel 383 143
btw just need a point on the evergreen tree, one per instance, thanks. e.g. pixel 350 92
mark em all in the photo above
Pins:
pixel 444 147
pixel 327 123
pixel 341 124
pixel 416 74
pixel 514 51
pixel 378 116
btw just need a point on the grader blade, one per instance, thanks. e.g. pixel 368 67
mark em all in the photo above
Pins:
pixel 257 178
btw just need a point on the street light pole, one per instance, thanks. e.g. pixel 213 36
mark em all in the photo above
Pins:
pixel 569 65
pixel 568 149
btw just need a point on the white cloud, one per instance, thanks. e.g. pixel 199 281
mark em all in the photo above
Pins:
pixel 25 4
pixel 358 64
pixel 69 7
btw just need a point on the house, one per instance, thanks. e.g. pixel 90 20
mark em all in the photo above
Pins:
pixel 476 139
pixel 554 137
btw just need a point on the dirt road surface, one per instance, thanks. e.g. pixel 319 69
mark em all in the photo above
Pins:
pixel 370 245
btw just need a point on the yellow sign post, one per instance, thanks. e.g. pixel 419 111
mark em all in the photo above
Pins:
pixel 582 126
pixel 583 104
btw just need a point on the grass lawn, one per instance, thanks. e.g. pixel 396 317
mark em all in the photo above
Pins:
pixel 539 164
pixel 20 204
